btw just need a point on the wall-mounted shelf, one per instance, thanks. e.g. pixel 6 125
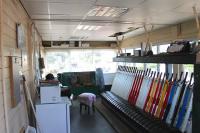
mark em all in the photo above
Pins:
pixel 176 59
pixel 164 58
pixel 60 47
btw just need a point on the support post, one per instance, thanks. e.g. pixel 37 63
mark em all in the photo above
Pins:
pixel 196 90
pixel 196 100
pixel 168 68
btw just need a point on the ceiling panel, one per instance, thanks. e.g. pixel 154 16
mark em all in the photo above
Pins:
pixel 160 5
pixel 140 15
pixel 55 16
pixel 63 1
pixel 68 9
pixel 66 31
pixel 120 3
pixel 59 19
pixel 53 30
pixel 54 22
pixel 34 7
pixel 56 27
pixel 187 6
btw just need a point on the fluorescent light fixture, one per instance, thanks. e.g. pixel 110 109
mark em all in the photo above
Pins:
pixel 80 27
pixel 88 27
pixel 110 12
pixel 94 11
pixel 102 11
pixel 97 27
pixel 91 28
pixel 106 11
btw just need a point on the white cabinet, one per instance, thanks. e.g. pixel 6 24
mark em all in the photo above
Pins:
pixel 53 118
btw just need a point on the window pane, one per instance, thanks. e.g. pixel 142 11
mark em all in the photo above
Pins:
pixel 162 68
pixel 140 66
pixel 124 50
pixel 77 60
pixel 163 48
pixel 129 51
pixel 152 66
pixel 56 62
pixel 104 59
pixel 188 68
pixel 154 49
pixel 130 64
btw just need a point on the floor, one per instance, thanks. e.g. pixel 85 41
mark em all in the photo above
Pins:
pixel 116 123
pixel 84 123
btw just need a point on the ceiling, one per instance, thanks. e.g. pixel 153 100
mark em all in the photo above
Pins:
pixel 57 20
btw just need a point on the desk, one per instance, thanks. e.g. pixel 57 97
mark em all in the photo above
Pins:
pixel 53 118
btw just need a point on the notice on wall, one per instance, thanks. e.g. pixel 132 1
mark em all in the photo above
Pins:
pixel 14 70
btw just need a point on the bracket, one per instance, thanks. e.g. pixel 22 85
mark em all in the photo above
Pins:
pixel 119 45
pixel 148 37
pixel 197 20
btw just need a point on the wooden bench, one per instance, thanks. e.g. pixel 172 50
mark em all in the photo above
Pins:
pixel 134 117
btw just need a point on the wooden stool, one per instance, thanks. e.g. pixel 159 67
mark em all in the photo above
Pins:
pixel 86 107
pixel 87 100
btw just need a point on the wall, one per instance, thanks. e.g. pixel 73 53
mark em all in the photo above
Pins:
pixel 2 111
pixel 13 119
pixel 185 30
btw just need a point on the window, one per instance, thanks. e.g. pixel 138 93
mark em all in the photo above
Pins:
pixel 130 64
pixel 76 60
pixel 153 66
pixel 123 50
pixel 188 68
pixel 155 50
pixel 140 66
pixel 162 68
pixel 163 48
pixel 129 50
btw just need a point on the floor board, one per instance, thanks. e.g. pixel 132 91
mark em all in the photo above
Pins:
pixel 115 122
pixel 84 123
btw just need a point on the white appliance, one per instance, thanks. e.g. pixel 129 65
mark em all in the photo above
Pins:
pixel 50 94
pixel 30 129
pixel 53 118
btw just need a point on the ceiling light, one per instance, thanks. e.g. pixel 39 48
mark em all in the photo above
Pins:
pixel 120 12
pixel 97 27
pixel 94 11
pixel 106 11
pixel 110 12
pixel 91 27
pixel 80 27
pixel 102 11
pixel 88 27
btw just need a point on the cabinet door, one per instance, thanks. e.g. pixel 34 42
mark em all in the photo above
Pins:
pixel 52 118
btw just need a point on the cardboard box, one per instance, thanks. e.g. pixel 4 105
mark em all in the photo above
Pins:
pixel 50 94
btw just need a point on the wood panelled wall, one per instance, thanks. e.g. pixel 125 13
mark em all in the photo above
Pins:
pixel 13 119
pixel 185 30
pixel 2 107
